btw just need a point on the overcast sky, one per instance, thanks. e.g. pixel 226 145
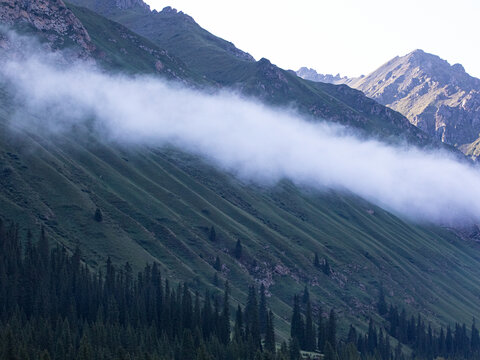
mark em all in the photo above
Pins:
pixel 350 37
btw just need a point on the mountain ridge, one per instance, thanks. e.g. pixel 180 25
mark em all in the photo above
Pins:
pixel 159 205
pixel 441 99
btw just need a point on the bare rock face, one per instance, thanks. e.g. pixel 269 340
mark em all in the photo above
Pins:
pixel 128 4
pixel 50 17
pixel 439 98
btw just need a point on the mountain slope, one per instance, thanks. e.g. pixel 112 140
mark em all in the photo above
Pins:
pixel 220 62
pixel 441 99
pixel 159 205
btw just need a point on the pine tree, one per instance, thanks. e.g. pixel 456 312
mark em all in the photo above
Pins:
pixel 252 326
pixel 98 216
pixel 225 317
pixel 270 334
pixel 309 329
pixel 217 265
pixel 238 249
pixel 329 353
pixel 306 295
pixel 213 235
pixel 316 261
pixel 321 332
pixel 294 349
pixel 332 329
pixel 239 331
pixel 43 247
pixel 381 304
pixel 262 310
pixel 297 327
pixel 326 268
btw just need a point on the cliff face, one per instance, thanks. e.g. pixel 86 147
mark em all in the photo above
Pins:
pixel 51 18
pixel 441 99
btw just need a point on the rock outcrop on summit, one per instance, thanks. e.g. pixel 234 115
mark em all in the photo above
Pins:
pixel 441 99
pixel 51 18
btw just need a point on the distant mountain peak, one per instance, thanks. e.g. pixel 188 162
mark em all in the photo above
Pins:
pixel 312 75
pixel 441 99
pixel 129 4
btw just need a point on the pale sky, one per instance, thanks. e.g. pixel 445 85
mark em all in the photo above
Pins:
pixel 350 37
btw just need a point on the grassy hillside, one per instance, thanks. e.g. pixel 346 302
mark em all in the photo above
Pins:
pixel 218 61
pixel 159 205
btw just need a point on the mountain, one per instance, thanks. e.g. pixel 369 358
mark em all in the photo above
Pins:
pixel 220 62
pixel 439 98
pixel 162 205
pixel 312 75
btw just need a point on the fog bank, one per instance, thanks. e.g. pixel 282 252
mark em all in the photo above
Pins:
pixel 248 139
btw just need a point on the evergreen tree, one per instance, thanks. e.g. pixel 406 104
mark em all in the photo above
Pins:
pixel 98 216
pixel 294 349
pixel 252 326
pixel 297 327
pixel 239 332
pixel 238 249
pixel 381 304
pixel 329 353
pixel 270 334
pixel 306 295
pixel 217 265
pixel 309 329
pixel 326 268
pixel 225 318
pixel 332 329
pixel 213 235
pixel 262 310
pixel 316 261
pixel 321 332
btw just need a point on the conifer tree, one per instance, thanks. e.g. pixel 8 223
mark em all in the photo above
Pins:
pixel 98 216
pixel 309 329
pixel 329 353
pixel 316 261
pixel 270 334
pixel 332 329
pixel 262 310
pixel 306 295
pixel 252 326
pixel 225 317
pixel 381 304
pixel 217 265
pixel 213 235
pixel 297 327
pixel 321 332
pixel 238 249
pixel 326 268
pixel 294 349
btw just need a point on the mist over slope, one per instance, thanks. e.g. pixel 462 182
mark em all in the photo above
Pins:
pixel 238 135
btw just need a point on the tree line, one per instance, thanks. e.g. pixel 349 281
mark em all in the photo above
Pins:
pixel 52 306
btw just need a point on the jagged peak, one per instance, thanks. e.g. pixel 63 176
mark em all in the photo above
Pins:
pixel 129 4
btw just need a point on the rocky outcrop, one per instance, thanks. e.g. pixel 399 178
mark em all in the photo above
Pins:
pixel 51 18
pixel 441 99
pixel 312 75
pixel 128 4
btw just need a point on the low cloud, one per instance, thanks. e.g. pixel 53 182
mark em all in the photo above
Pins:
pixel 248 139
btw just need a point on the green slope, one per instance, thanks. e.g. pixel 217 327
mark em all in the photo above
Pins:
pixel 159 204
pixel 220 62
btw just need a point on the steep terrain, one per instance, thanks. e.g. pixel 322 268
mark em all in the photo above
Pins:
pixel 441 99
pixel 160 204
pixel 51 18
pixel 221 62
